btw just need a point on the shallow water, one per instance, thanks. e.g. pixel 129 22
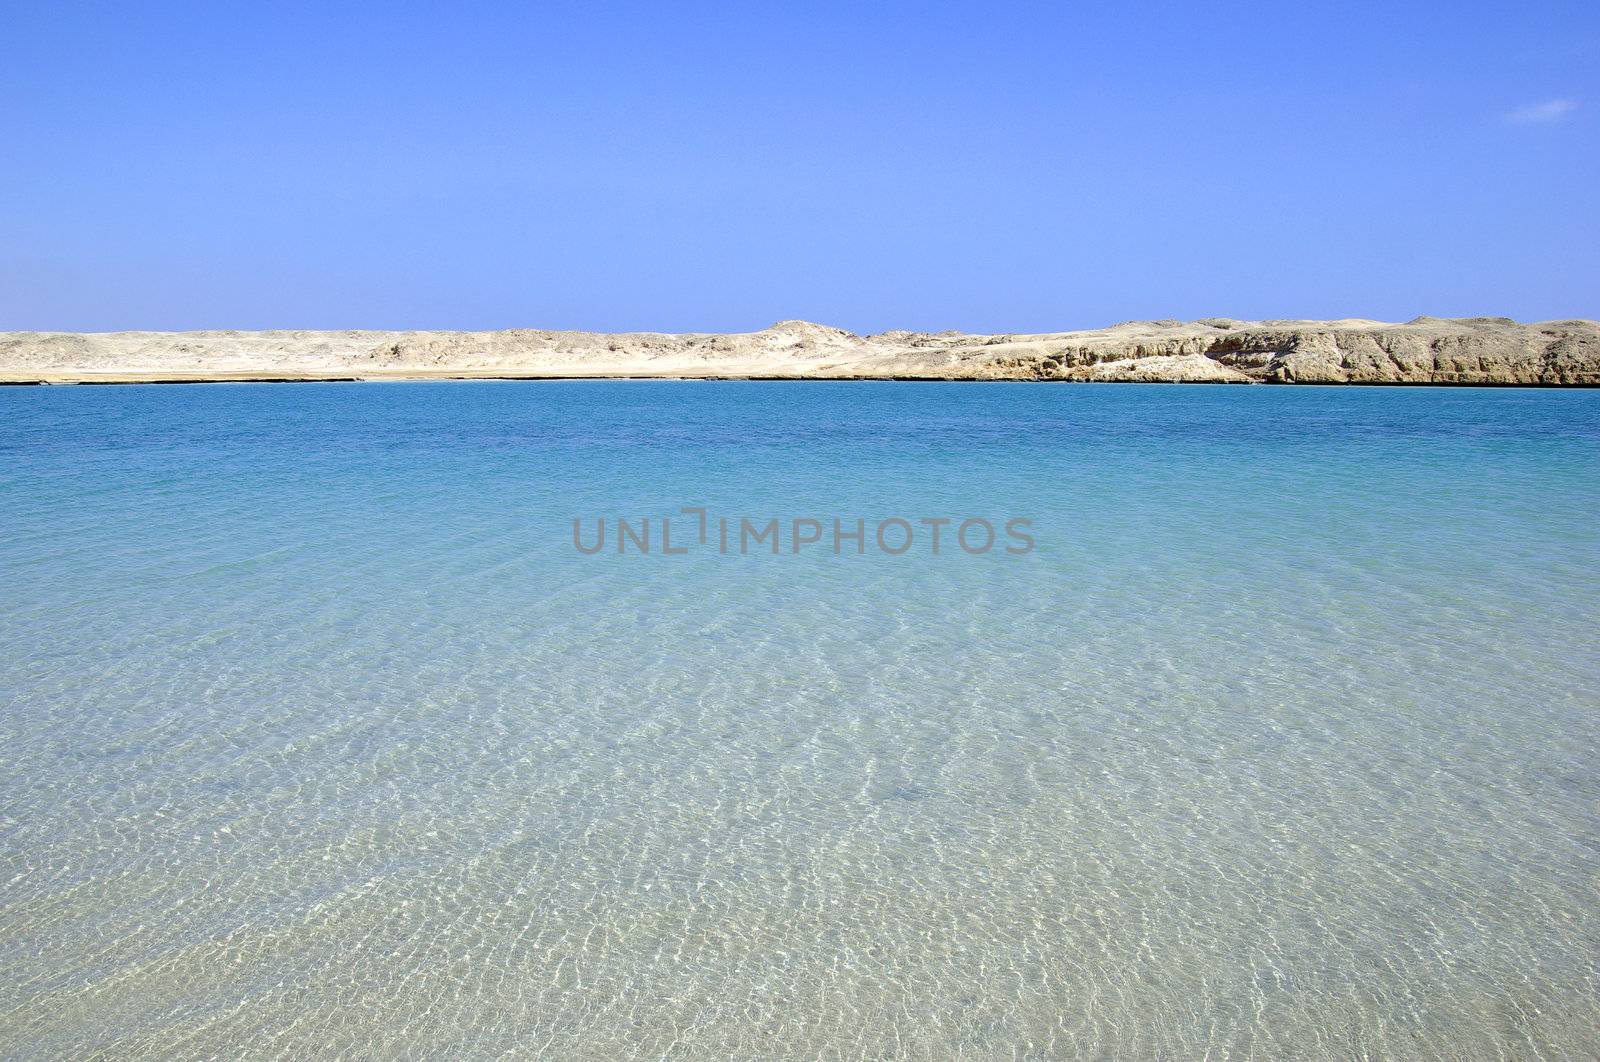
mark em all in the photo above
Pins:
pixel 319 737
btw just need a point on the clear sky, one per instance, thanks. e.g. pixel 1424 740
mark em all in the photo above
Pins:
pixel 683 166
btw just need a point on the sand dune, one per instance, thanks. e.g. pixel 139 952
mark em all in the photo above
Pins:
pixel 1478 350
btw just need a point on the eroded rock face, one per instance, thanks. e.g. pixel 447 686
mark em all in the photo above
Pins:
pixel 1427 350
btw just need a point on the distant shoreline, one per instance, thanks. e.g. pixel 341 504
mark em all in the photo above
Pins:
pixel 1476 351
pixel 179 379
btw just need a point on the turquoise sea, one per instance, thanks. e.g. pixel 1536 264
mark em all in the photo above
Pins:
pixel 319 738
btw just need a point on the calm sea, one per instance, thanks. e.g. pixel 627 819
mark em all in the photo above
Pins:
pixel 319 737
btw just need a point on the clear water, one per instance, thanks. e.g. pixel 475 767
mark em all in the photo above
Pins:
pixel 320 739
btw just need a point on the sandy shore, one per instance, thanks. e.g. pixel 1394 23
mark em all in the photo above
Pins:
pixel 1427 350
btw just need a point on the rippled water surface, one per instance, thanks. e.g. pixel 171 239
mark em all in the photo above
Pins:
pixel 319 738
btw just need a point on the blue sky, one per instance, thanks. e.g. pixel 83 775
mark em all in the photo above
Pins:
pixel 982 166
